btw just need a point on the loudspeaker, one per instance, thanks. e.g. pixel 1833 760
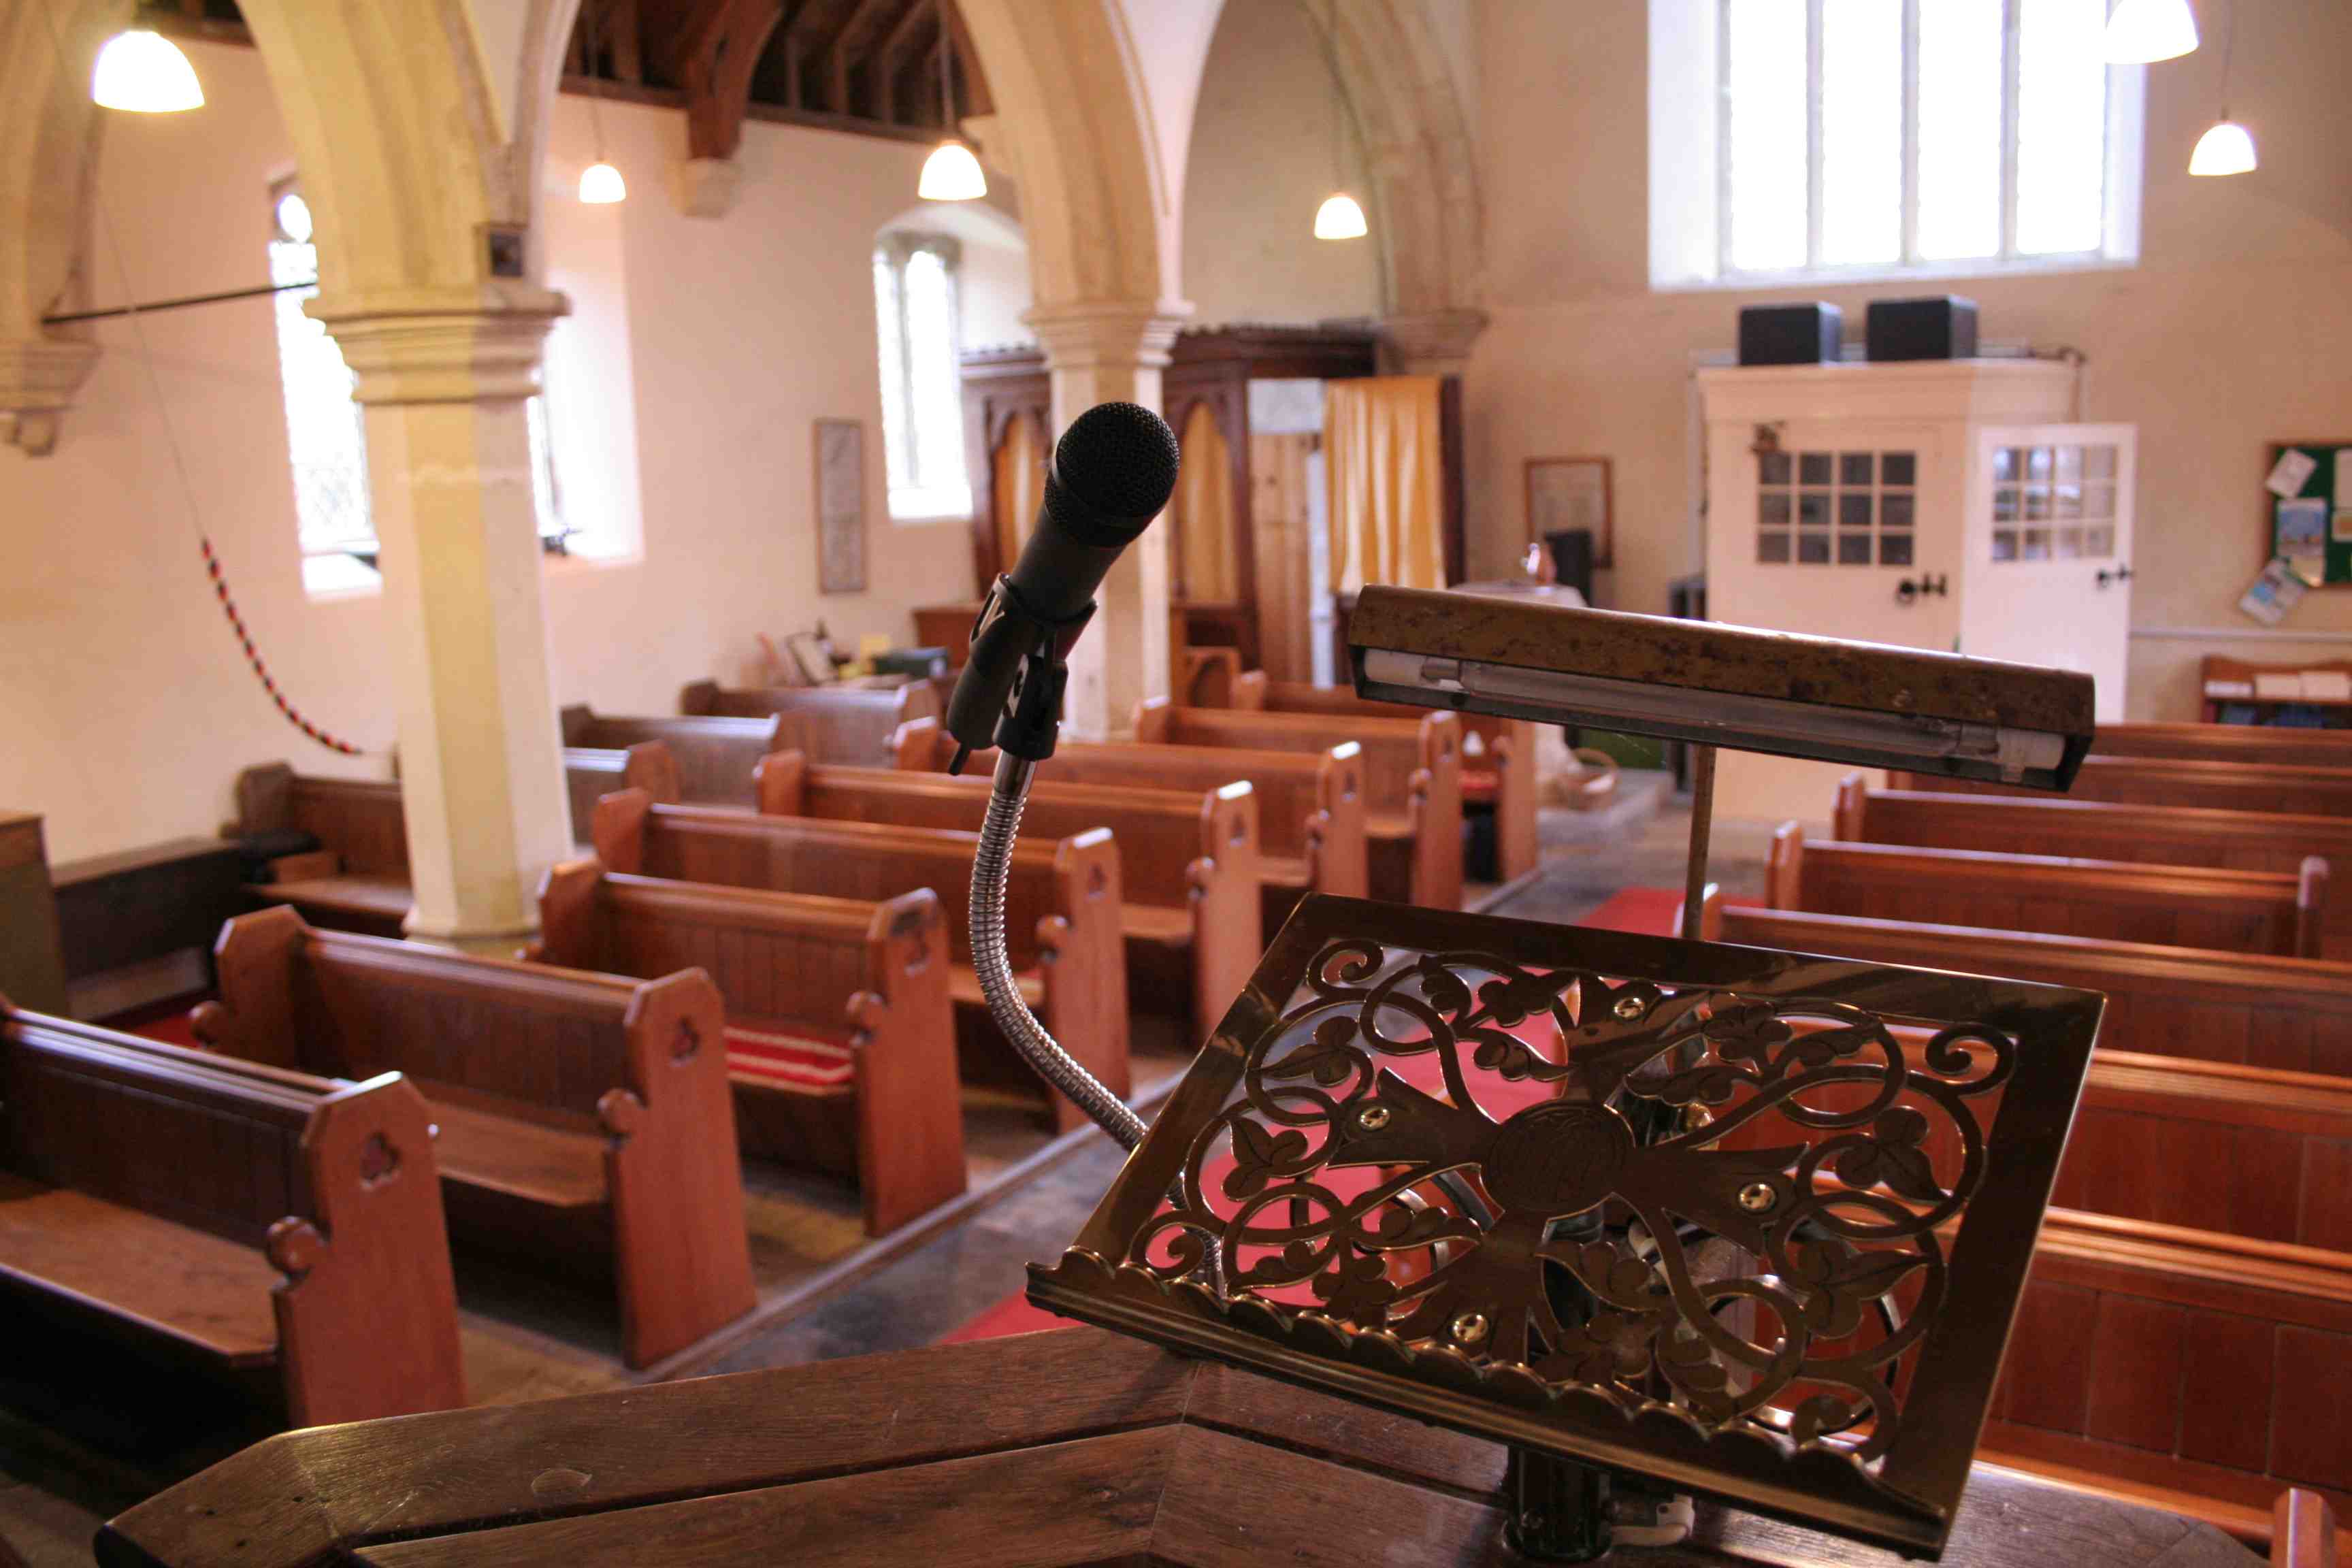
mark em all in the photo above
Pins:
pixel 1571 559
pixel 1791 334
pixel 1942 327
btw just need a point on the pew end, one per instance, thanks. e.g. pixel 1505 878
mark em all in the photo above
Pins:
pixel 2303 1530
pixel 2311 907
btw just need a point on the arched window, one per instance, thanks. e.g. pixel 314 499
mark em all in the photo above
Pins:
pixel 915 310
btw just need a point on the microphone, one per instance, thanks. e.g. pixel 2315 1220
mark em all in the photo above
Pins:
pixel 1112 472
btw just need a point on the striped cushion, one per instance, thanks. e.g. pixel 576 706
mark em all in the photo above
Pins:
pixel 787 1058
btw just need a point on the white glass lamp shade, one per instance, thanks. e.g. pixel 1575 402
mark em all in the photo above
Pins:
pixel 2226 149
pixel 600 184
pixel 1339 218
pixel 2140 31
pixel 146 73
pixel 951 174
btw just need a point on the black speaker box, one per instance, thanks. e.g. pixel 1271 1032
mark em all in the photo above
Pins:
pixel 1942 327
pixel 1791 334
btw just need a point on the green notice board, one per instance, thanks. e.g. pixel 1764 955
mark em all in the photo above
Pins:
pixel 2311 528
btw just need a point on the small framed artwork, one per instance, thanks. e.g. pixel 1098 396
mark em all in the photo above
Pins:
pixel 1571 492
pixel 840 506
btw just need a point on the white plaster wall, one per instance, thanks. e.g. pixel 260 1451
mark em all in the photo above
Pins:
pixel 710 347
pixel 2234 330
pixel 1261 164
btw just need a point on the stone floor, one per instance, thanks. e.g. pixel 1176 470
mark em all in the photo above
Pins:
pixel 55 1487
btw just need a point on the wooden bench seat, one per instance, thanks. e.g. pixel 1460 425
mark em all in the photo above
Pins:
pixel 714 754
pixel 1413 783
pixel 2175 906
pixel 359 879
pixel 2225 786
pixel 1310 804
pixel 1189 879
pixel 2168 836
pixel 1063 908
pixel 1499 756
pixel 242 1217
pixel 591 772
pixel 538 1065
pixel 839 1035
pixel 851 724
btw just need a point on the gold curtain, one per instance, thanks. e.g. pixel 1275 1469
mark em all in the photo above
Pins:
pixel 1016 482
pixel 1202 511
pixel 1382 441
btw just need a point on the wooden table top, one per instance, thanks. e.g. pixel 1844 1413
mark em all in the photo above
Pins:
pixel 1075 1447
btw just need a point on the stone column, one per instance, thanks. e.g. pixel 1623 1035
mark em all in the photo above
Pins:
pixel 1429 343
pixel 1101 354
pixel 443 378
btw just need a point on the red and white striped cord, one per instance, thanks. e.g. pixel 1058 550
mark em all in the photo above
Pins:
pixel 260 670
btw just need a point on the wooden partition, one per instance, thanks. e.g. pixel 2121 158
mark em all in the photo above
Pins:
pixel 840 1033
pixel 2174 906
pixel 1499 756
pixel 1188 863
pixel 358 880
pixel 245 1217
pixel 1062 921
pixel 1413 783
pixel 715 754
pixel 575 1110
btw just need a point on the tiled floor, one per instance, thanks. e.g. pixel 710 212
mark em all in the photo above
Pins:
pixel 54 1491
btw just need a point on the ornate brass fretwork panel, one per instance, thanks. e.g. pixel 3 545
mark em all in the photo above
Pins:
pixel 1752 1222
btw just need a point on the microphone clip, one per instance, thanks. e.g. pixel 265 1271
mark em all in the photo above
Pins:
pixel 1009 693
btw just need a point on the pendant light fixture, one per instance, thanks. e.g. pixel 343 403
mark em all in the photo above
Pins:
pixel 950 173
pixel 2142 31
pixel 2228 148
pixel 143 72
pixel 599 183
pixel 1340 216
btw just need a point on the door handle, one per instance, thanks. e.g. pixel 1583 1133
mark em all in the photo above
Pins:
pixel 2121 574
pixel 1907 590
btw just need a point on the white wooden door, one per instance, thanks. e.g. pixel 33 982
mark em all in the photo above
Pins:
pixel 2048 542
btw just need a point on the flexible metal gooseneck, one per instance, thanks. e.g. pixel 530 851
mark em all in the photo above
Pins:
pixel 989 957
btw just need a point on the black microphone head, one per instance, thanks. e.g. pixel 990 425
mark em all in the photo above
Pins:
pixel 1117 462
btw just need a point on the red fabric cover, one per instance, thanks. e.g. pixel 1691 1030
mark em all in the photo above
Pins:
pixel 785 1058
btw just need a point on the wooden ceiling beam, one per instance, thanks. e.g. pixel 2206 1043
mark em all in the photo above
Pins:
pixel 718 73
pixel 843 53
pixel 885 69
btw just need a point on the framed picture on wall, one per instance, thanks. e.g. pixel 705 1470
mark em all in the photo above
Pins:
pixel 1571 492
pixel 840 506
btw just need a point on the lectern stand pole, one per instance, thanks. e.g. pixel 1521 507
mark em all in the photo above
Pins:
pixel 1702 828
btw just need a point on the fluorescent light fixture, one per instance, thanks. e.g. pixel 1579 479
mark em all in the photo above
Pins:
pixel 1724 686
pixel 1339 218
pixel 144 72
pixel 2226 149
pixel 951 174
pixel 600 184
pixel 2142 31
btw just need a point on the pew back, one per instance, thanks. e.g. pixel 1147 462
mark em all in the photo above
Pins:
pixel 2226 743
pixel 2177 906
pixel 714 754
pixel 591 772
pixel 849 724
pixel 359 819
pixel 2224 786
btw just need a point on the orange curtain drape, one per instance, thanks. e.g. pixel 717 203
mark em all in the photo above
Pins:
pixel 1202 510
pixel 1016 482
pixel 1381 444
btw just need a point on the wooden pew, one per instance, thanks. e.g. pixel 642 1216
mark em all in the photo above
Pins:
pixel 2174 906
pixel 2288 1014
pixel 1499 756
pixel 840 1036
pixel 849 724
pixel 576 1111
pixel 714 755
pixel 256 1223
pixel 2167 781
pixel 1061 911
pixel 1310 805
pixel 2182 1362
pixel 358 879
pixel 2226 743
pixel 1189 876
pixel 2167 835
pixel 1413 783
pixel 591 772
